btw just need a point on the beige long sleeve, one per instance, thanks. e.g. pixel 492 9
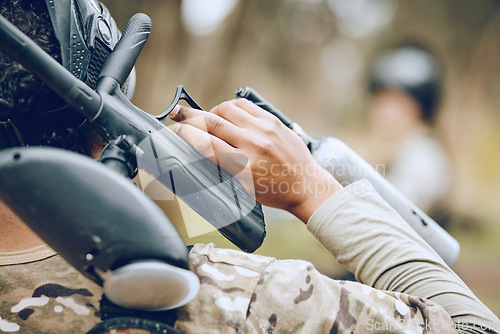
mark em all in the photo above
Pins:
pixel 367 236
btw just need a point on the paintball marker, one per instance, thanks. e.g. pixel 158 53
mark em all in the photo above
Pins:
pixel 134 135
pixel 347 167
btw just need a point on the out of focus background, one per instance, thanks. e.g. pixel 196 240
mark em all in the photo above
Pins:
pixel 311 59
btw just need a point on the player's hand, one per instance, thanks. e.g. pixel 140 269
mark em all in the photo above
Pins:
pixel 269 159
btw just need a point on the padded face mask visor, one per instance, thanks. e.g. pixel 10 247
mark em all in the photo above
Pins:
pixel 87 34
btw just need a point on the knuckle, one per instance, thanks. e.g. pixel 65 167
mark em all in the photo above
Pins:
pixel 275 122
pixel 223 108
pixel 264 146
pixel 271 128
pixel 215 123
pixel 204 147
pixel 244 103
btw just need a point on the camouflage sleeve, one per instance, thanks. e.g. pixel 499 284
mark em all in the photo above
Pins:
pixel 367 236
pixel 245 293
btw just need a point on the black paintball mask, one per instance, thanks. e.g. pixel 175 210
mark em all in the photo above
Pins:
pixel 87 34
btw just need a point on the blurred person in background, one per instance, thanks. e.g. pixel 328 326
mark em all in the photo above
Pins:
pixel 405 83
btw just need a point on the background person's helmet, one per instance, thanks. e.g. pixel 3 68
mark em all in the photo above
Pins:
pixel 413 70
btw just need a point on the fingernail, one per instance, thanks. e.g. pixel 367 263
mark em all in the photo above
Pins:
pixel 175 111
pixel 176 127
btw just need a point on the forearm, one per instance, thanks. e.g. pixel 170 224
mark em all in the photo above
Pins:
pixel 372 241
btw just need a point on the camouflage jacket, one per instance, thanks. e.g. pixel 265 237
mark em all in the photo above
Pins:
pixel 248 293
pixel 242 293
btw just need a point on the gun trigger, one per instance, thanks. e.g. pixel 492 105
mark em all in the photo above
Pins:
pixel 180 94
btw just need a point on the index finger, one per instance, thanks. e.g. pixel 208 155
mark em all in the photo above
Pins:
pixel 208 122
pixel 244 108
pixel 234 112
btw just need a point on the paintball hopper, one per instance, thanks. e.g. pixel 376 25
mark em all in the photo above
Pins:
pixel 101 223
